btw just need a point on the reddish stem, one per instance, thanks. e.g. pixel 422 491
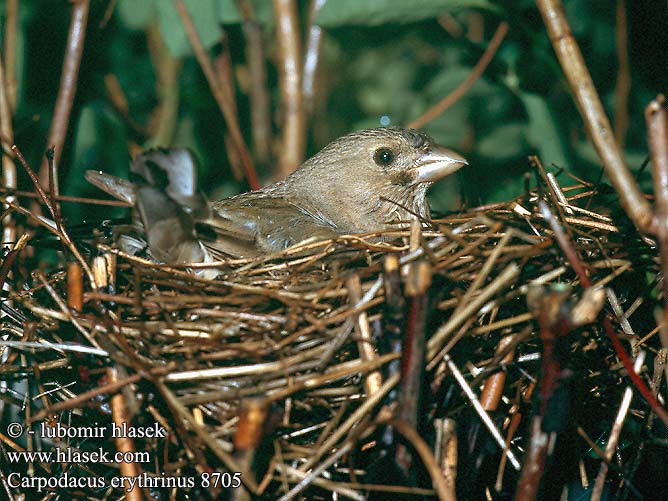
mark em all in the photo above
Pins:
pixel 68 86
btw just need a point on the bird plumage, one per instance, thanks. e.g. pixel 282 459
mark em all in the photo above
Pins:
pixel 361 182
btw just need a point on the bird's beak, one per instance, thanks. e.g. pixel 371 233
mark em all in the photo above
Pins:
pixel 436 164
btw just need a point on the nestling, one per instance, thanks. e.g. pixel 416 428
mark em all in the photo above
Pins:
pixel 359 183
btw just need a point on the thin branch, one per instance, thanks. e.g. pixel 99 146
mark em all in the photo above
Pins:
pixel 8 166
pixel 218 93
pixel 59 230
pixel 74 402
pixel 468 82
pixel 598 126
pixel 615 432
pixel 68 86
pixel 566 246
pixel 66 198
pixel 312 57
pixel 484 416
pixel 167 69
pixel 124 444
pixel 222 63
pixel 656 117
pixel 119 102
pixel 259 91
pixel 288 40
pixel 428 460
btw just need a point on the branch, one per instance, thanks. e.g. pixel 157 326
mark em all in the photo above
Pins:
pixel 8 166
pixel 167 69
pixel 259 91
pixel 290 78
pixel 422 448
pixel 468 82
pixel 596 121
pixel 312 56
pixel 656 118
pixel 218 93
pixel 68 86
pixel 567 248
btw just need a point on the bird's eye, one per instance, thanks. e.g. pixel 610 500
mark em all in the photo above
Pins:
pixel 383 156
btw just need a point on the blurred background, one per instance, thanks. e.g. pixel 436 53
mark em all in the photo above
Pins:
pixel 382 62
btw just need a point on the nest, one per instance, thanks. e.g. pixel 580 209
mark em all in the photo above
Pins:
pixel 284 378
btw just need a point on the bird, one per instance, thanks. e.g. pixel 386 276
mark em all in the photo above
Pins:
pixel 362 182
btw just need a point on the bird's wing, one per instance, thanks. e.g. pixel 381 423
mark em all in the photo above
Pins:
pixel 119 188
pixel 167 200
pixel 260 222
pixel 182 226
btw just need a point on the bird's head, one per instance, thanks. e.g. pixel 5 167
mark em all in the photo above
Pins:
pixel 404 156
pixel 375 172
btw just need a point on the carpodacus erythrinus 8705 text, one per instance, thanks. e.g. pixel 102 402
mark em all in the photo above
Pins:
pixel 359 183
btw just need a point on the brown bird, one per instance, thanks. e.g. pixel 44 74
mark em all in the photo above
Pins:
pixel 361 182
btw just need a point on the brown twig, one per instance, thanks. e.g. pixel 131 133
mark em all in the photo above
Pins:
pixel 484 416
pixel 412 356
pixel 259 88
pixel 252 430
pixel 615 432
pixel 492 390
pixel 293 143
pixel 222 63
pixel 446 452
pixel 68 85
pixel 60 230
pixel 374 380
pixel 53 187
pixel 438 480
pixel 623 85
pixel 75 286
pixel 66 198
pixel 394 312
pixel 34 178
pixel 6 140
pixel 534 461
pixel 503 280
pixel 656 118
pixel 124 444
pixel 119 102
pixel 167 71
pixel 10 257
pixel 598 126
pixel 218 94
pixel 311 57
pixel 82 398
pixel 468 82
pixel 571 255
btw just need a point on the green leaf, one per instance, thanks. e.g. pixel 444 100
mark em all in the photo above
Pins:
pixel 136 14
pixel 228 12
pixel 99 144
pixel 204 14
pixel 376 12
pixel 543 133
pixel 503 142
